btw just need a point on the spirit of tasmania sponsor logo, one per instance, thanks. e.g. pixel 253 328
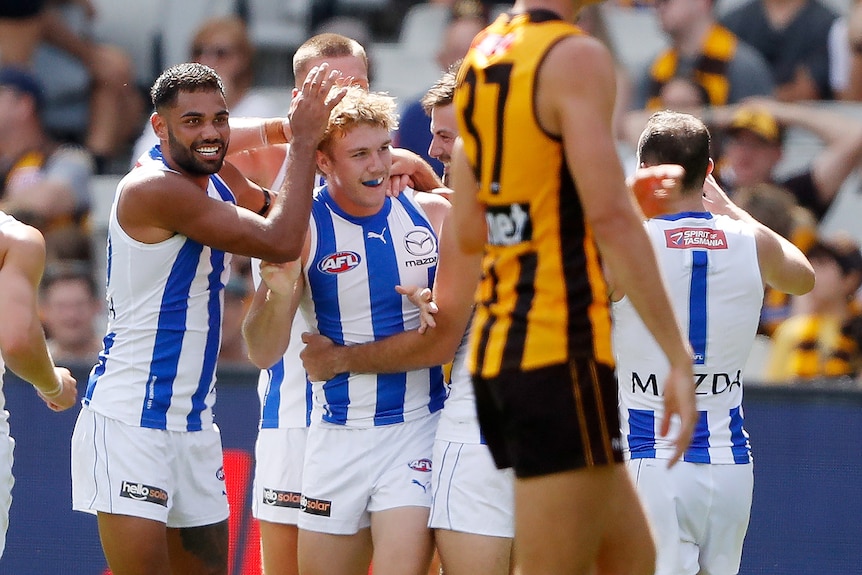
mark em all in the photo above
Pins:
pixel 688 238
pixel 141 492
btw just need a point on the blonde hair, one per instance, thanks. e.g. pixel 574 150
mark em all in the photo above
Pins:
pixel 360 107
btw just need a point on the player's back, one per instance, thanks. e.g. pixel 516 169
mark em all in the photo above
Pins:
pixel 711 270
pixel 542 299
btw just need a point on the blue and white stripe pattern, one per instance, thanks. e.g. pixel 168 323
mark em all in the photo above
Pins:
pixel 710 267
pixel 352 270
pixel 165 302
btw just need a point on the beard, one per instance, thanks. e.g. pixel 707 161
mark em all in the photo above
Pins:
pixel 190 163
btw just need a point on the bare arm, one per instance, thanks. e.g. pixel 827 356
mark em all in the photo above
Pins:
pixel 577 87
pixel 468 215
pixel 415 170
pixel 267 324
pixel 841 135
pixel 457 276
pixel 22 340
pixel 255 133
pixel 782 265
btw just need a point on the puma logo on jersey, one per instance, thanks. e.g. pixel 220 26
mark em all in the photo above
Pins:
pixel 509 225
pixel 374 235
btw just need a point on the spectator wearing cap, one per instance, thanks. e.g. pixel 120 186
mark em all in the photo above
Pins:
pixel 821 337
pixel 754 147
pixel 42 183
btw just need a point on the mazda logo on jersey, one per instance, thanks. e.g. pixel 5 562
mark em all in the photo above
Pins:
pixel 419 242
pixel 339 262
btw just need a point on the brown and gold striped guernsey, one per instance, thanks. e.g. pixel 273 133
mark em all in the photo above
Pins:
pixel 542 299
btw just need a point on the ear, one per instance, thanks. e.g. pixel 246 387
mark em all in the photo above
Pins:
pixel 324 164
pixel 160 126
pixel 710 167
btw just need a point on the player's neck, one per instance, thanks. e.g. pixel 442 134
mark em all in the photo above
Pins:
pixel 690 202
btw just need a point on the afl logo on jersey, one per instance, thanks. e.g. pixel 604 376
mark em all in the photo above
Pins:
pixel 419 242
pixel 339 262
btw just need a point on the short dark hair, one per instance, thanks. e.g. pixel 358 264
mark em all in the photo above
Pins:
pixel 443 91
pixel 186 77
pixel 677 138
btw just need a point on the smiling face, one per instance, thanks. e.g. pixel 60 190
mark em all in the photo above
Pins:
pixel 357 166
pixel 194 132
pixel 444 130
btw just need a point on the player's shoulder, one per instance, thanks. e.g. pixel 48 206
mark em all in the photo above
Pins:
pixel 576 52
pixel 21 243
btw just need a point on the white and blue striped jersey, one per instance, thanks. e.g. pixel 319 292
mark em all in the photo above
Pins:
pixel 165 302
pixel 351 272
pixel 710 266
pixel 284 390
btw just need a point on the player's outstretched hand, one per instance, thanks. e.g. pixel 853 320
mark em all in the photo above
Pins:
pixel 424 300
pixel 310 108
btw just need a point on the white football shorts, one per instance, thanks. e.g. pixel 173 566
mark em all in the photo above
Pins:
pixel 176 477
pixel 470 494
pixel 698 512
pixel 279 455
pixel 350 473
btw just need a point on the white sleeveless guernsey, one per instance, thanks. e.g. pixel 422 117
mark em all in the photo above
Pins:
pixel 353 267
pixel 710 267
pixel 165 301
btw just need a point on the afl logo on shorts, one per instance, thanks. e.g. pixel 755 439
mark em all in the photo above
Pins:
pixel 339 262
pixel 420 465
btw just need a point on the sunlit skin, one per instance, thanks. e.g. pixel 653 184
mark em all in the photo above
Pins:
pixel 357 169
pixel 444 130
pixel 196 131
